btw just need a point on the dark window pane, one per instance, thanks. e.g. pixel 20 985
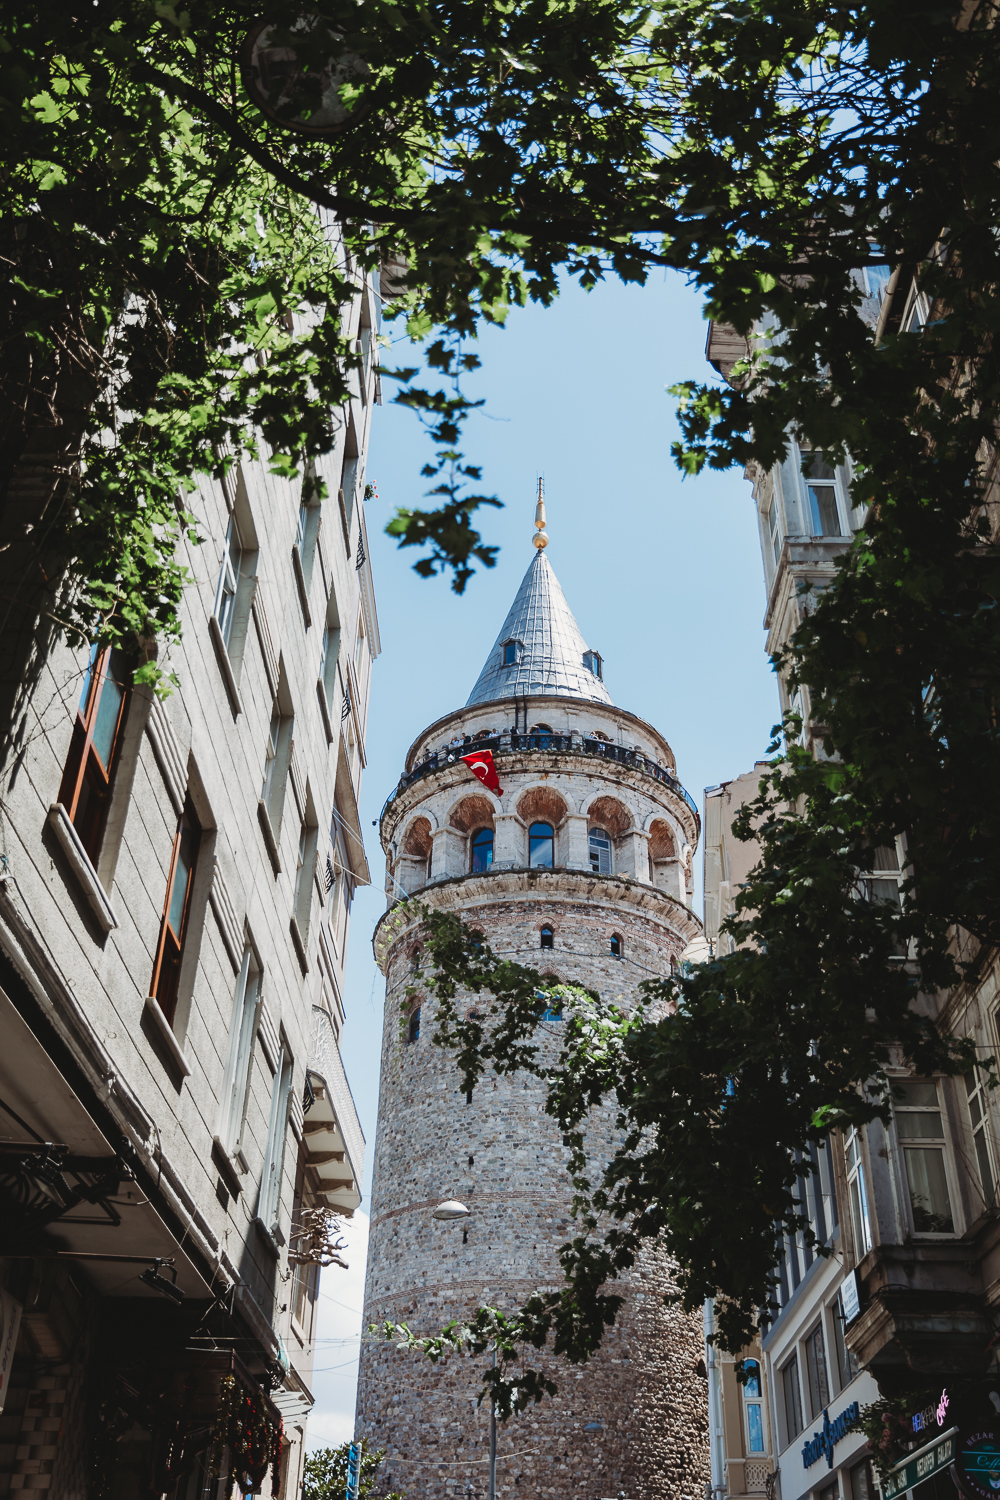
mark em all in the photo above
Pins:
pixel 188 846
pixel 928 1191
pixel 823 505
pixel 482 850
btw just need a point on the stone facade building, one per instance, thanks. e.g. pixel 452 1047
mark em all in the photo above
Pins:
pixel 176 879
pixel 582 867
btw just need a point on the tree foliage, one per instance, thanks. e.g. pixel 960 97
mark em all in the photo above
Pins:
pixel 325 1473
pixel 162 232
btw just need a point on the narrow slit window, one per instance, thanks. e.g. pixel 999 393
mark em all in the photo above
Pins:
pixel 616 946
pixel 547 937
pixel 413 1029
pixel 229 580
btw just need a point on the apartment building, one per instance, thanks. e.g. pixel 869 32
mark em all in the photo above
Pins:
pixel 903 1307
pixel 176 879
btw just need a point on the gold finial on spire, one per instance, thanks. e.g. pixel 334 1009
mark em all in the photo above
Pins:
pixel 540 538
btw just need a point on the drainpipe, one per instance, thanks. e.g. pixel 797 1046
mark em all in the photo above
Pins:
pixel 715 1444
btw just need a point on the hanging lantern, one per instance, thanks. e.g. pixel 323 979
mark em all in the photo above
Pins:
pixel 294 74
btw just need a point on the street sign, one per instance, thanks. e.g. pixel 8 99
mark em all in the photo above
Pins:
pixel 353 1471
pixel 931 1459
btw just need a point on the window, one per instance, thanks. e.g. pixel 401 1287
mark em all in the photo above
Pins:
pixel 616 946
pixel 774 529
pixel 277 1129
pixel 821 487
pixel 819 1390
pixel 882 883
pixel 511 653
pixel 413 1029
pixel 548 938
pixel 847 1363
pixel 302 526
pixel 862 1483
pixel 86 785
pixel 921 1133
pixel 793 1401
pixel 876 278
pixel 541 846
pixel 229 580
pixel 344 880
pixel 753 1419
pixel 978 1118
pixel 858 1193
pixel 829 1491
pixel 305 864
pixel 359 646
pixel 481 850
pixel 549 1005
pixel 173 925
pixel 593 662
pixel 276 753
pixel 240 1054
pixel 600 852
pixel 305 1285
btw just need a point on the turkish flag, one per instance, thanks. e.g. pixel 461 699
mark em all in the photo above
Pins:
pixel 480 763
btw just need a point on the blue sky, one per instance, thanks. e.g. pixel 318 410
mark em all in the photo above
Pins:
pixel 663 574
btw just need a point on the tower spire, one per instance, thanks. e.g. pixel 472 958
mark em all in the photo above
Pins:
pixel 540 539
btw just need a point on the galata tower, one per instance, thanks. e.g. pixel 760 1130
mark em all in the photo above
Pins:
pixel 582 867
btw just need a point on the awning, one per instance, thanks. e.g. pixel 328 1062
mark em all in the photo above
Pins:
pixel 294 1400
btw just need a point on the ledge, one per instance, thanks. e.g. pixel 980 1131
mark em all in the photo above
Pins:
pixel 79 862
pixel 166 1034
pixel 227 1168
pixel 225 665
pixel 264 819
pixel 300 579
pixel 299 945
pixel 272 1242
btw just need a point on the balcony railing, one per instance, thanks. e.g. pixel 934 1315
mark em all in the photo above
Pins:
pixel 546 743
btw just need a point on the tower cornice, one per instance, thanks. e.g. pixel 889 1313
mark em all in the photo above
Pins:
pixel 555 887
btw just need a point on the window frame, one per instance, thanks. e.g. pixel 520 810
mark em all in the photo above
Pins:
pixel 594 663
pixel 927 1145
pixel 546 931
pixel 413 1025
pixel 480 839
pixel 84 766
pixel 600 843
pixel 857 1193
pixel 791 1385
pixel 273 1170
pixel 277 755
pixel 822 482
pixel 305 867
pixel 847 1366
pixel 170 943
pixel 510 652
pixel 817 1370
pixel 754 1400
pixel 224 608
pixel 982 1133
pixel 239 1058
pixel 534 840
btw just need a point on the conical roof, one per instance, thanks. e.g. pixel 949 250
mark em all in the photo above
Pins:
pixel 549 648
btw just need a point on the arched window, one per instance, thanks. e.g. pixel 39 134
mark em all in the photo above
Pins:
pixel 547 936
pixel 482 850
pixel 674 966
pixel 541 846
pixel 616 945
pixel 600 852
pixel 541 729
pixel 753 1417
pixel 549 1006
pixel 593 662
pixel 413 1030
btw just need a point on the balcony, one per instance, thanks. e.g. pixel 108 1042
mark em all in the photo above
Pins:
pixel 332 1138
pixel 504 745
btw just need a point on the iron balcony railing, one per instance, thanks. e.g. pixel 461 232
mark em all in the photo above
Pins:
pixel 560 744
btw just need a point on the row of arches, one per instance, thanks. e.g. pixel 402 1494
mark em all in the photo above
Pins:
pixel 543 833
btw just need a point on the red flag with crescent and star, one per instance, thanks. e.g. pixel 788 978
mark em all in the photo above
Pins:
pixel 480 763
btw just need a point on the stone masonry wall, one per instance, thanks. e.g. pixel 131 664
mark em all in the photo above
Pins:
pixel 504 1158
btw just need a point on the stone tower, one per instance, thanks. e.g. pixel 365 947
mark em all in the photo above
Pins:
pixel 581 868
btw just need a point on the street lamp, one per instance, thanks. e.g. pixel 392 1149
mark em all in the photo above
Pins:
pixel 450 1211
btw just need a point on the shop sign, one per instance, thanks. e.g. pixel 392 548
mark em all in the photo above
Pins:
pixel 849 1298
pixel 933 1415
pixel 938 1455
pixel 979 1462
pixel 10 1320
pixel 829 1435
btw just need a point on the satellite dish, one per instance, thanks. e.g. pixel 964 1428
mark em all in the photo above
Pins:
pixel 277 67
pixel 451 1209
